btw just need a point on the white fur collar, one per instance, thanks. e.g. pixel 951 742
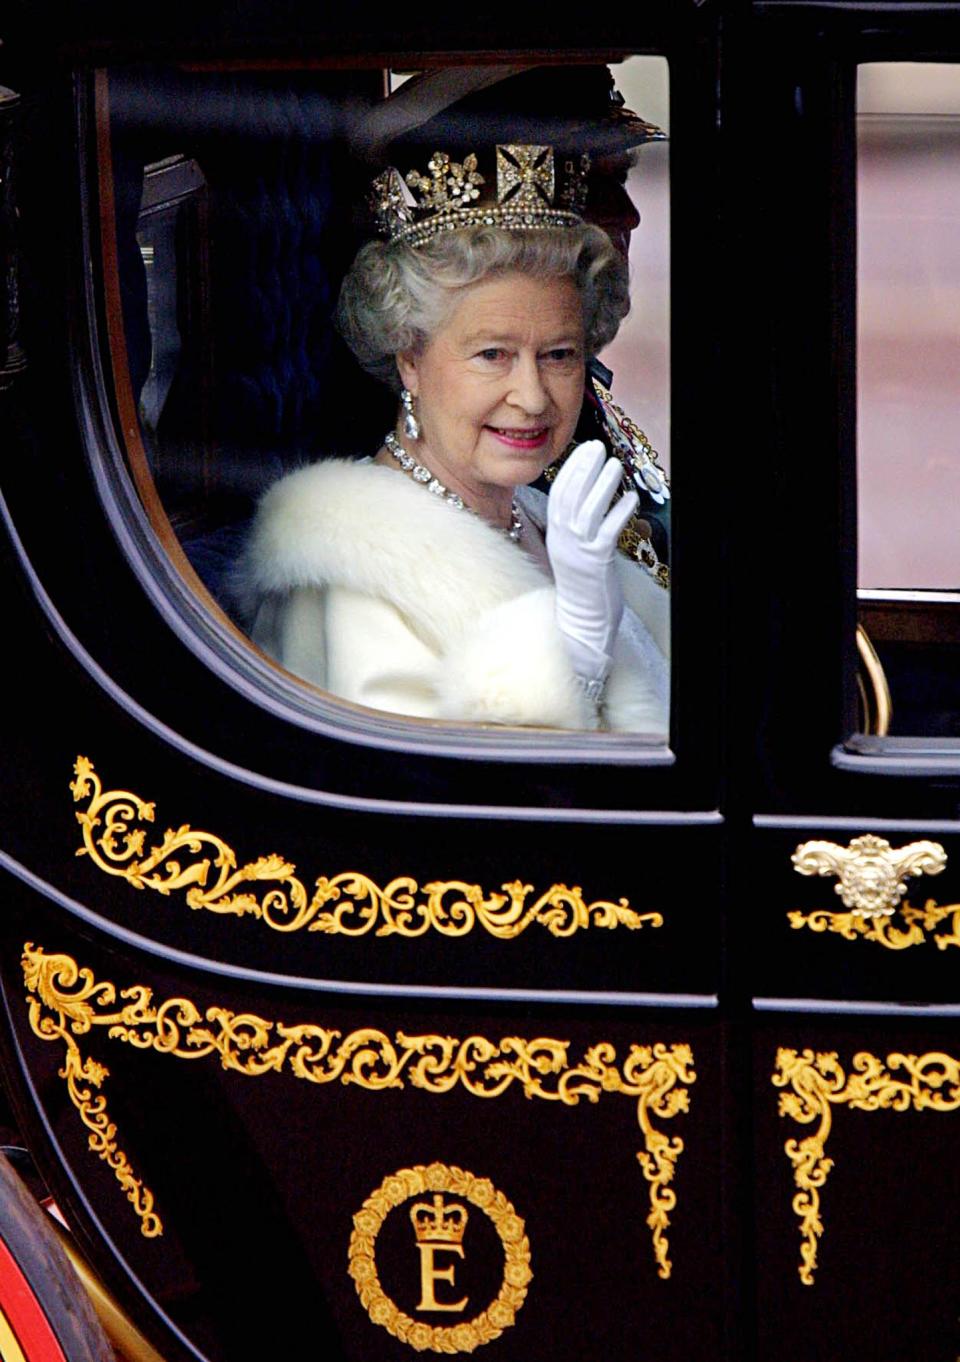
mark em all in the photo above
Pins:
pixel 371 529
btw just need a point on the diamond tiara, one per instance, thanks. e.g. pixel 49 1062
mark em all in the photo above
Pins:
pixel 530 190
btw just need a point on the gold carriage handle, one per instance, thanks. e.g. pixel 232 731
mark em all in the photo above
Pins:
pixel 876 703
pixel 872 874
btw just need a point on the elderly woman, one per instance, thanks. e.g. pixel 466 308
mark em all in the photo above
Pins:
pixel 431 579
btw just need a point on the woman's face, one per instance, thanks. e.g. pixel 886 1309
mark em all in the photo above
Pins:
pixel 499 387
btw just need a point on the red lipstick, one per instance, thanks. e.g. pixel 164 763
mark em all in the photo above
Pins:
pixel 520 438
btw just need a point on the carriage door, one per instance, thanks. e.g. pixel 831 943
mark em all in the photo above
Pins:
pixel 326 1023
pixel 848 891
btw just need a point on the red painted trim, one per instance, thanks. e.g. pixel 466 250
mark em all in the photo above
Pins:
pixel 25 1314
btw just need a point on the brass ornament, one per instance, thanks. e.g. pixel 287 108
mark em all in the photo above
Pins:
pixel 872 874
pixel 817 1083
pixel 66 1001
pixel 434 1179
pixel 872 884
pixel 205 867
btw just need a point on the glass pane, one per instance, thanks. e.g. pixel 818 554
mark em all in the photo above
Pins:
pixel 241 201
pixel 908 372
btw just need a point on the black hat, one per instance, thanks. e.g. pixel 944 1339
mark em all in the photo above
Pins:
pixel 572 108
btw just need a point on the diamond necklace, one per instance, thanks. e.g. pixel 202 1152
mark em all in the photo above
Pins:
pixel 421 474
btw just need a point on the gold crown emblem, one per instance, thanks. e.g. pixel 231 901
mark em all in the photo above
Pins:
pixel 439 1223
pixel 531 192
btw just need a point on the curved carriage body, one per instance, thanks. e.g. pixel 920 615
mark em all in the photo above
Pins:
pixel 333 1029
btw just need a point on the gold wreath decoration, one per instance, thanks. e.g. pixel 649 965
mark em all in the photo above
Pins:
pixel 467 1335
pixel 213 881
pixel 65 1001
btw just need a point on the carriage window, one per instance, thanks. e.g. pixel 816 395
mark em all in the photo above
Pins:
pixel 908 366
pixel 363 487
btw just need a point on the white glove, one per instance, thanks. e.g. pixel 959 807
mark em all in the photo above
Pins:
pixel 582 534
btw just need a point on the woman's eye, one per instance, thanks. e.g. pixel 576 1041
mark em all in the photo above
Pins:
pixel 492 354
pixel 562 355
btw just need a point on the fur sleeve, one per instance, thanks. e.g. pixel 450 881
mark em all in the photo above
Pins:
pixel 512 668
pixel 633 703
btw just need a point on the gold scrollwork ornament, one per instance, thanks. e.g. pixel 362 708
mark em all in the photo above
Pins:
pixel 65 1001
pixel 206 868
pixel 817 1082
pixel 436 1178
pixel 62 1002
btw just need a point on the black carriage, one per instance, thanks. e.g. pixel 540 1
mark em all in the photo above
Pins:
pixel 332 1029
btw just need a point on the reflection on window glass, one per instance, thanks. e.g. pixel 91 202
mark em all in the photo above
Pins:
pixel 908 372
pixel 388 390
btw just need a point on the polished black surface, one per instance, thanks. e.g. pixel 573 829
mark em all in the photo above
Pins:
pixel 110 656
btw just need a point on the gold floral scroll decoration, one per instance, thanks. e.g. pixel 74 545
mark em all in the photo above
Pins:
pixel 467 1335
pixel 818 1082
pixel 63 1005
pixel 268 889
pixel 66 1001
pixel 886 931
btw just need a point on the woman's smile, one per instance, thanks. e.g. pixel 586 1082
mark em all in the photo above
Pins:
pixel 521 439
pixel 498 388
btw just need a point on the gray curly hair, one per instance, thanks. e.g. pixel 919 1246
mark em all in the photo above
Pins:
pixel 395 297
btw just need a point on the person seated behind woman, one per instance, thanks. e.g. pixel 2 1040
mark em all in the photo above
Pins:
pixel 431 580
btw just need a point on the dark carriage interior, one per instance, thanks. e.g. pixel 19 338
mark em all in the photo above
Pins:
pixel 233 205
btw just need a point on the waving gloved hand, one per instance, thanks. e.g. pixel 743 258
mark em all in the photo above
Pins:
pixel 582 534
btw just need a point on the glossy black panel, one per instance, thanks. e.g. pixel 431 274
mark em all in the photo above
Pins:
pixel 253 1172
pixel 806 943
pixel 881 1286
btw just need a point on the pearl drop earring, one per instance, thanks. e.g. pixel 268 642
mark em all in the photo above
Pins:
pixel 411 425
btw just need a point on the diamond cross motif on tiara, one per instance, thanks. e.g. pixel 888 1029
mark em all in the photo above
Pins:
pixel 525 176
pixel 449 183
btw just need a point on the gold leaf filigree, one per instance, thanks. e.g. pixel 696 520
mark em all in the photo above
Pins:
pixel 882 930
pixel 817 1082
pixel 885 931
pixel 58 976
pixel 930 915
pixel 66 1001
pixel 213 881
pixel 467 1335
